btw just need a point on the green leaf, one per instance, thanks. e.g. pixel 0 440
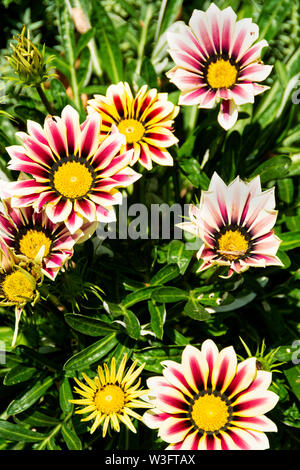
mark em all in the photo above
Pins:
pixel 152 357
pixel 293 378
pixel 71 439
pixel 148 73
pixel 137 296
pixel 36 418
pixel 170 294
pixel 65 394
pixel 195 310
pixel 132 324
pixel 88 325
pixel 91 354
pixel 51 445
pixel 273 168
pixel 286 189
pixel 19 374
pixel 16 432
pixel 30 397
pixel 84 40
pixel 191 167
pixel 166 274
pixel 290 240
pixel 158 316
pixel 170 14
pixel 272 17
pixel 179 255
pixel 110 53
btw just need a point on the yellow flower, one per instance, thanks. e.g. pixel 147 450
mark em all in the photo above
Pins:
pixel 110 397
pixel 146 120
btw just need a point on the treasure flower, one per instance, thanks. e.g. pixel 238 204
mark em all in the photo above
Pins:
pixel 216 60
pixel 146 121
pixel 110 397
pixel 19 279
pixel 74 175
pixel 210 402
pixel 32 234
pixel 235 224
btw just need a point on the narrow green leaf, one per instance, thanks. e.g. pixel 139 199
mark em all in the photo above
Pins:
pixel 293 377
pixel 195 310
pixel 132 324
pixel 171 12
pixel 91 354
pixel 16 432
pixel 275 167
pixel 154 356
pixel 88 325
pixel 65 394
pixel 111 56
pixel 290 240
pixel 51 445
pixel 166 274
pixel 137 296
pixel 170 294
pixel 84 40
pixel 71 439
pixel 286 189
pixel 30 397
pixel 158 316
pixel 36 418
pixel 177 254
pixel 19 374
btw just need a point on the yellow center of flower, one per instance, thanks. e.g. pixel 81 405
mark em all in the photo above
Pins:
pixel 221 74
pixel 72 180
pixel 110 399
pixel 232 244
pixel 32 242
pixel 132 129
pixel 17 287
pixel 210 413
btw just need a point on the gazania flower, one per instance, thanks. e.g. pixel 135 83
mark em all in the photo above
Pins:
pixel 216 60
pixel 110 397
pixel 145 120
pixel 19 278
pixel 210 402
pixel 235 223
pixel 74 175
pixel 33 235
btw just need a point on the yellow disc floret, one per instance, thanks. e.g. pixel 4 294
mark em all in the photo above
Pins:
pixel 17 287
pixel 110 399
pixel 221 74
pixel 132 129
pixel 72 180
pixel 32 241
pixel 232 244
pixel 210 413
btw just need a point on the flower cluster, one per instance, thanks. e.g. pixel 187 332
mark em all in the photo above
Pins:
pixel 70 176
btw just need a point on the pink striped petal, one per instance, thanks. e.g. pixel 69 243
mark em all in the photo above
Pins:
pixel 70 118
pixel 174 430
pixel 74 222
pixel 86 208
pixel 256 423
pixel 56 135
pixel 195 368
pixel 228 114
pixel 245 374
pixel 90 131
pixel 59 211
pixel 175 376
pixel 224 369
pixel 254 403
pixel 108 150
pixel 256 72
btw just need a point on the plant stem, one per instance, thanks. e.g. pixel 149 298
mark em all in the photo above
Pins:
pixel 44 99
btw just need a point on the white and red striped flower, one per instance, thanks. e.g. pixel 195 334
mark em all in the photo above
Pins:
pixel 33 235
pixel 74 175
pixel 210 402
pixel 145 120
pixel 216 60
pixel 235 223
